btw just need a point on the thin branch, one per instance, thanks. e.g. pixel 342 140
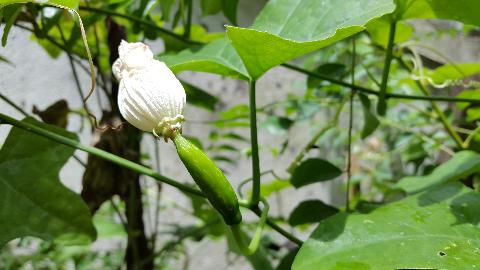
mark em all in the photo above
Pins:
pixel 157 199
pixel 376 93
pixel 99 153
pixel 188 25
pixel 120 215
pixel 350 128
pixel 468 140
pixel 4 119
pixel 254 145
pixel 141 21
pixel 382 101
pixel 277 228
pixel 11 103
pixel 72 67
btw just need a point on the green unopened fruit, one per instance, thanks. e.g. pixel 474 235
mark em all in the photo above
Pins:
pixel 210 179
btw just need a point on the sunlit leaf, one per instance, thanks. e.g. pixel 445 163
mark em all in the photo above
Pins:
pixel 287 29
pixel 73 4
pixel 436 229
pixel 464 11
pixel 454 72
pixel 272 187
pixel 217 57
pixel 462 164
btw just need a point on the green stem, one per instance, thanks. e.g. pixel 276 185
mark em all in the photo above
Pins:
pixel 99 153
pixel 376 93
pixel 188 26
pixel 254 243
pixel 244 182
pixel 135 19
pixel 11 103
pixel 382 97
pixel 445 122
pixel 468 140
pixel 127 164
pixel 277 228
pixel 254 145
pixel 350 128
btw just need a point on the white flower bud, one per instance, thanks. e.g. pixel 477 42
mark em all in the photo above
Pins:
pixel 150 97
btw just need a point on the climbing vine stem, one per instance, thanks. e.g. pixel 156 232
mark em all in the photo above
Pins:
pixel 254 145
pixel 382 97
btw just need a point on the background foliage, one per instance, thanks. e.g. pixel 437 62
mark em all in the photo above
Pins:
pixel 408 157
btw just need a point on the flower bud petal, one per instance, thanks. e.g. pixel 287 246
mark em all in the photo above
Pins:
pixel 150 97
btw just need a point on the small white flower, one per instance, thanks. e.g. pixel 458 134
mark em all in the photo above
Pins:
pixel 150 97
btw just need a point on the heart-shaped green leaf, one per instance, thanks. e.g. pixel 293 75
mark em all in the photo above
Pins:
pixel 436 229
pixel 286 29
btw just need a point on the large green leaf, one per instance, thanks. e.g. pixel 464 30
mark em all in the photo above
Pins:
pixel 462 164
pixel 465 11
pixel 217 57
pixel 437 229
pixel 33 202
pixel 63 3
pixel 286 29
